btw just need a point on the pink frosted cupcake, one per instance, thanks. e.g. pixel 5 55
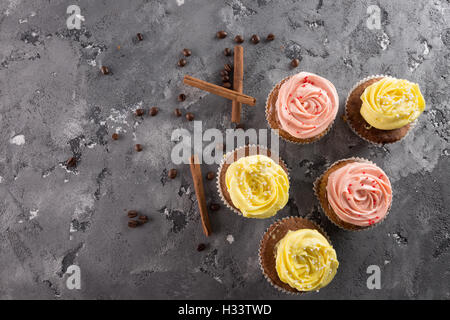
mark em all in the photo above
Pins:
pixel 302 107
pixel 354 193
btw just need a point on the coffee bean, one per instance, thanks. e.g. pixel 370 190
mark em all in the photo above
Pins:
pixel 133 223
pixel 227 52
pixel 104 70
pixel 255 39
pixel 115 136
pixel 172 174
pixel 143 218
pixel 224 73
pixel 270 37
pixel 221 34
pixel 71 163
pixel 238 39
pixel 140 112
pixel 227 85
pixel 177 112
pixel 228 67
pixel 138 147
pixel 225 79
pixel 186 52
pixel 240 126
pixel 214 206
pixel 210 175
pixel 140 36
pixel 181 97
pixel 201 247
pixel 154 111
pixel 132 214
pixel 182 62
pixel 295 63
pixel 190 116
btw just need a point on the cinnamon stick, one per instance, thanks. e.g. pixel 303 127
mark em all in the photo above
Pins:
pixel 220 91
pixel 197 177
pixel 238 82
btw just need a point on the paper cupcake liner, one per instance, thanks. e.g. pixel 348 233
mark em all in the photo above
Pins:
pixel 260 253
pixel 276 130
pixel 411 125
pixel 219 170
pixel 316 186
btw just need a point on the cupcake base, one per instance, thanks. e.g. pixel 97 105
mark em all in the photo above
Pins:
pixel 267 249
pixel 233 156
pixel 320 189
pixel 272 119
pixel 360 126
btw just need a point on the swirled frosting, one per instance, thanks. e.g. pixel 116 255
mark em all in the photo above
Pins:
pixel 360 193
pixel 258 186
pixel 391 103
pixel 306 105
pixel 305 260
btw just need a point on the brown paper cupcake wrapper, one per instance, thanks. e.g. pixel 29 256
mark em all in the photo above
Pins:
pixel 293 223
pixel 280 132
pixel 378 144
pixel 253 148
pixel 339 223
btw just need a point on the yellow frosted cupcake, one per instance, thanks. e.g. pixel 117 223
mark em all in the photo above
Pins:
pixel 382 109
pixel 296 256
pixel 252 183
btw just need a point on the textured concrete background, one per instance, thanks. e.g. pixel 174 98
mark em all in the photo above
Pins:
pixel 55 104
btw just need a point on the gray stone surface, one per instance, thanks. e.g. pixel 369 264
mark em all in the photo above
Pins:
pixel 53 94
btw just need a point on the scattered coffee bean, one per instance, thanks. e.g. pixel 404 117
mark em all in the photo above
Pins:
pixel 225 79
pixel 190 116
pixel 133 223
pixel 226 85
pixel 72 162
pixel 143 218
pixel 240 126
pixel 295 63
pixel 154 111
pixel 177 112
pixel 140 36
pixel 214 206
pixel 182 62
pixel 186 52
pixel 138 147
pixel 210 175
pixel 238 39
pixel 227 52
pixel 115 136
pixel 201 247
pixel 105 70
pixel 228 67
pixel 270 37
pixel 140 112
pixel 132 214
pixel 181 97
pixel 255 39
pixel 172 174
pixel 221 34
pixel 224 73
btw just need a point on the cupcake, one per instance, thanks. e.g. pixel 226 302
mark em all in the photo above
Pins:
pixel 354 193
pixel 252 183
pixel 382 109
pixel 302 107
pixel 295 256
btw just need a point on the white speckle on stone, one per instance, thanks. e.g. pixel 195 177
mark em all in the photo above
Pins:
pixel 20 221
pixel 92 62
pixel 23 21
pixel 384 41
pixel 18 140
pixel 386 262
pixel 66 180
pixel 230 238
pixel 33 213
pixel 180 2
pixel 218 279
pixel 1 179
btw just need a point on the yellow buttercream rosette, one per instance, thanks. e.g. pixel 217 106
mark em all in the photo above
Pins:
pixel 305 260
pixel 258 186
pixel 391 103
